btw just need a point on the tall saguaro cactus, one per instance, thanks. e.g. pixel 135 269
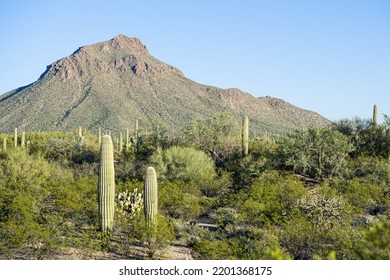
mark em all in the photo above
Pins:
pixel 4 144
pixel 375 116
pixel 23 141
pixel 150 196
pixel 127 140
pixel 16 137
pixel 106 185
pixel 120 142
pixel 245 136
pixel 135 139
pixel 100 136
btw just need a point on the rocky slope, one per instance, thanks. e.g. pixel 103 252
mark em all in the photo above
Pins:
pixel 110 84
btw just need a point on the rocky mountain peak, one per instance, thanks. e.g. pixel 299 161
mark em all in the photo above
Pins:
pixel 110 83
pixel 122 42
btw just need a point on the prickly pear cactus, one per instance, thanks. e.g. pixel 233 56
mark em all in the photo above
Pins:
pixel 128 202
pixel 150 196
pixel 245 136
pixel 106 185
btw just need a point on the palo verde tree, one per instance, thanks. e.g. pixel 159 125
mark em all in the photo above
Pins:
pixel 317 153
pixel 219 136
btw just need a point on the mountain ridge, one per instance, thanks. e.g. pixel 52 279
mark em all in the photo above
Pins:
pixel 111 83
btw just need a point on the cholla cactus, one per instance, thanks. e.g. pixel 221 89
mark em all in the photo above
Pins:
pixel 128 202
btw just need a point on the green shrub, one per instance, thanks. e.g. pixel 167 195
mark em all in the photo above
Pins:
pixel 376 244
pixel 184 164
pixel 318 153
pixel 179 200
pixel 270 200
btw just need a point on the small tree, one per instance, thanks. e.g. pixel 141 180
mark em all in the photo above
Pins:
pixel 219 136
pixel 318 153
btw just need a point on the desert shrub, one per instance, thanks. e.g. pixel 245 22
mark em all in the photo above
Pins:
pixel 321 224
pixel 184 164
pixel 368 139
pixel 361 194
pixel 305 239
pixel 376 242
pixel 179 200
pixel 219 136
pixel 212 249
pixel 156 237
pixel 270 200
pixel 249 243
pixel 318 153
pixel 25 212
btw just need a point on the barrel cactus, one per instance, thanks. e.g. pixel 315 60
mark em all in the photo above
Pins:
pixel 245 136
pixel 106 185
pixel 150 196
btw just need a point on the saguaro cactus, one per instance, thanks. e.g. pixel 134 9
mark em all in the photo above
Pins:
pixel 120 142
pixel 23 142
pixel 106 185
pixel 127 140
pixel 100 136
pixel 375 116
pixel 150 196
pixel 135 139
pixel 16 138
pixel 4 144
pixel 245 136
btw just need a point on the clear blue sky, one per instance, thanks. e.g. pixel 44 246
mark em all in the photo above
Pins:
pixel 329 56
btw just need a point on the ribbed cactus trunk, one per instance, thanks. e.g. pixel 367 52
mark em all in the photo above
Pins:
pixel 16 138
pixel 245 136
pixel 150 196
pixel 100 136
pixel 4 144
pixel 23 142
pixel 106 185
pixel 136 136
pixel 375 116
pixel 127 140
pixel 120 142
